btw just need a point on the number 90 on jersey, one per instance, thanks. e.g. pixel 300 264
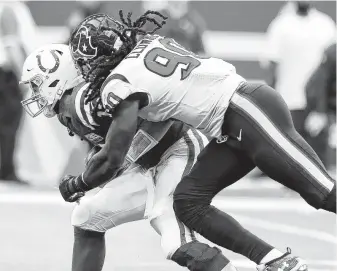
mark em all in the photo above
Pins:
pixel 165 62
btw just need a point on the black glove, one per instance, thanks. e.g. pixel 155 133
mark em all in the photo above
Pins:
pixel 72 188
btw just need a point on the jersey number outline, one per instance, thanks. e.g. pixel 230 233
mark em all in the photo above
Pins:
pixel 113 101
pixel 165 63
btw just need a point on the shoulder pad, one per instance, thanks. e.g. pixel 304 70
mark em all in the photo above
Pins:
pixel 114 90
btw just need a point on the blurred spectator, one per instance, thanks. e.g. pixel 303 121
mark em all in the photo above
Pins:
pixel 321 87
pixel 296 40
pixel 84 9
pixel 12 48
pixel 184 25
pixel 321 101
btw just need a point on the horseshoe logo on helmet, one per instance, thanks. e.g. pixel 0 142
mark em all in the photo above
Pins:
pixel 53 69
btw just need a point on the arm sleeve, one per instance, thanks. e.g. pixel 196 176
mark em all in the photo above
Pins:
pixel 114 91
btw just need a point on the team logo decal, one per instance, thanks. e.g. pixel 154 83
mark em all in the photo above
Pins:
pixel 53 69
pixel 84 48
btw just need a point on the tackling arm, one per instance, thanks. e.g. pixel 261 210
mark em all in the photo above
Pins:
pixel 110 158
pixel 106 163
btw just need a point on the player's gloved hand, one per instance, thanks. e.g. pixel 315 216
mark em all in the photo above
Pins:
pixel 72 188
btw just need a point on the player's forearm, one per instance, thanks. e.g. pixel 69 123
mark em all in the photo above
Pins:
pixel 107 162
pixel 99 170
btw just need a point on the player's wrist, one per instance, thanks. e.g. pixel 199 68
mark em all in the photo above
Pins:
pixel 78 184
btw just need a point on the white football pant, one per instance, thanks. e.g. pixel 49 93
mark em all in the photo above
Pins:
pixel 139 194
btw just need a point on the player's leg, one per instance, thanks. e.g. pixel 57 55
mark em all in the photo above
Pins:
pixel 268 136
pixel 88 250
pixel 178 242
pixel 182 246
pixel 121 201
pixel 217 167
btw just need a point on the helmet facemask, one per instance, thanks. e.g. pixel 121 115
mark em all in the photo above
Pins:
pixel 40 101
pixel 37 103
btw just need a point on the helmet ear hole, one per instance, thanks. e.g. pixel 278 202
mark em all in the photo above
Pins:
pixel 54 83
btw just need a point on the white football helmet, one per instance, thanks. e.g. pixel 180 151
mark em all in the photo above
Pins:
pixel 48 72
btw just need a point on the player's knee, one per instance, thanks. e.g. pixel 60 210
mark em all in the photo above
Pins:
pixel 169 245
pixel 80 216
pixel 197 256
pixel 190 212
pixel 164 222
pixel 330 202
pixel 83 218
pixel 191 203
pixel 181 207
pixel 184 189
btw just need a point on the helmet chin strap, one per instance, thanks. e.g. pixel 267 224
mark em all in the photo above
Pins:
pixel 49 112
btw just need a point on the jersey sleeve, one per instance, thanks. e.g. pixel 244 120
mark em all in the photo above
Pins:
pixel 114 90
pixel 84 111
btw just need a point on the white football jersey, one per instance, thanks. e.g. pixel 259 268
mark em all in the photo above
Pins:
pixel 179 85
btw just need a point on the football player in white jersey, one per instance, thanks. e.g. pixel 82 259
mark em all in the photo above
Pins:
pixel 161 153
pixel 250 125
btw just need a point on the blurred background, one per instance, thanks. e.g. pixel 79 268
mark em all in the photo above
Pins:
pixel 290 45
